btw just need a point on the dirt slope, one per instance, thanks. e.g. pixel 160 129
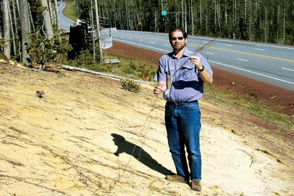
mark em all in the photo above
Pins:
pixel 88 136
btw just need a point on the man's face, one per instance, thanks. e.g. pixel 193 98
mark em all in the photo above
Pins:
pixel 177 41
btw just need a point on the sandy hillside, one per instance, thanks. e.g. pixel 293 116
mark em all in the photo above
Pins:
pixel 88 136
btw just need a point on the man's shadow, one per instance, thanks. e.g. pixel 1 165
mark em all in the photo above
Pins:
pixel 138 153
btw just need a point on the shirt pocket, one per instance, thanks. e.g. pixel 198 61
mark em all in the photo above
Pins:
pixel 188 73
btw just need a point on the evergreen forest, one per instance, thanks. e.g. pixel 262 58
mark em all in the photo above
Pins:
pixel 268 21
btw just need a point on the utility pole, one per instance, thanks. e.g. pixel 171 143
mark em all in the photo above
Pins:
pixel 98 32
pixel 183 12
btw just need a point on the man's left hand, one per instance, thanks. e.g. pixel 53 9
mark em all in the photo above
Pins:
pixel 196 61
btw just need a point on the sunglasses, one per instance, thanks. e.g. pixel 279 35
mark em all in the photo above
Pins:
pixel 175 38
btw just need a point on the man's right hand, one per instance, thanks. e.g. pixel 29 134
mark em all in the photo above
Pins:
pixel 160 88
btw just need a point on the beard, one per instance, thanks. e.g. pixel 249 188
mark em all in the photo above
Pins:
pixel 178 46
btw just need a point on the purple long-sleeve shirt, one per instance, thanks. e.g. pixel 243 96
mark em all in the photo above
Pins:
pixel 187 84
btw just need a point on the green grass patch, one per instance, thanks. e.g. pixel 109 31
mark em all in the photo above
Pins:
pixel 70 10
pixel 129 68
pixel 251 105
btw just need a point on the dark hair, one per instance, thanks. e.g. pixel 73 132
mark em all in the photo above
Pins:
pixel 177 29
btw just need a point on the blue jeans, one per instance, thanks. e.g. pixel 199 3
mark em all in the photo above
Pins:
pixel 183 130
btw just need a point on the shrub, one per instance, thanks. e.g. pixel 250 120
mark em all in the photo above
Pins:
pixel 130 85
pixel 43 49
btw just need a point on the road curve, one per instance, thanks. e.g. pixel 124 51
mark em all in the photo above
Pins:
pixel 65 22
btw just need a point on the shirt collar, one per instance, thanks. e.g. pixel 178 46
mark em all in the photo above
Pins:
pixel 186 53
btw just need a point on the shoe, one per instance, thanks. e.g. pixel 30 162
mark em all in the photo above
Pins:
pixel 175 178
pixel 196 186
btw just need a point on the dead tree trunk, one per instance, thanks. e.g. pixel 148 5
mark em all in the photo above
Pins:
pixel 47 20
pixel 25 30
pixel 6 25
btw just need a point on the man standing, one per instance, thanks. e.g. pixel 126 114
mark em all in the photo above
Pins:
pixel 181 75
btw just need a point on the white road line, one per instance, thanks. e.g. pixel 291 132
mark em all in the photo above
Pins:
pixel 143 45
pixel 242 59
pixel 256 44
pixel 152 42
pixel 248 71
pixel 228 45
pixel 209 53
pixel 259 49
pixel 287 69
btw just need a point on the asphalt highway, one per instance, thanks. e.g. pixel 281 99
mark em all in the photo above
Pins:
pixel 65 22
pixel 270 63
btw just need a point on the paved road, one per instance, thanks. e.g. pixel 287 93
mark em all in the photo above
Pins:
pixel 270 63
pixel 65 22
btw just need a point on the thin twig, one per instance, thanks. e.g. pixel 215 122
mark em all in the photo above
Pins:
pixel 140 135
pixel 205 45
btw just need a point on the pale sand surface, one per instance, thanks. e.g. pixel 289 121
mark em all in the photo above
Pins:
pixel 64 143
